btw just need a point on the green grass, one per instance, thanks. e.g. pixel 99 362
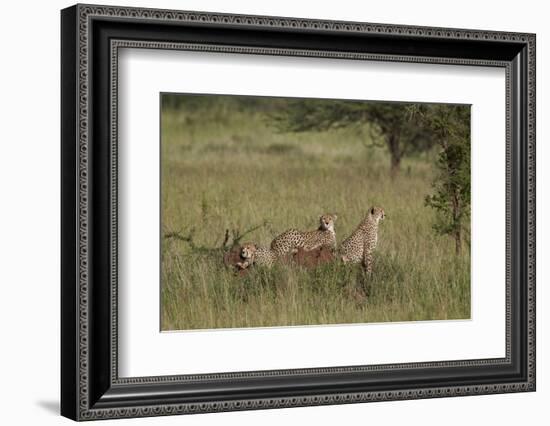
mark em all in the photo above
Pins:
pixel 225 169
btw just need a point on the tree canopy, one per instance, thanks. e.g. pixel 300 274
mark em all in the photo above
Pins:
pixel 401 132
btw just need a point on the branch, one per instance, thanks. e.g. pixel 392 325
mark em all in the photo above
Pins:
pixel 188 238
pixel 226 238
pixel 238 237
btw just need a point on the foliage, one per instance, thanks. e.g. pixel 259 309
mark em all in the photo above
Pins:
pixel 451 197
pixel 393 122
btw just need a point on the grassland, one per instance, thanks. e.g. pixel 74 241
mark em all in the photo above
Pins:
pixel 226 169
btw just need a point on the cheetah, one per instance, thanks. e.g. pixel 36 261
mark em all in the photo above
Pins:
pixel 292 239
pixel 253 254
pixel 360 245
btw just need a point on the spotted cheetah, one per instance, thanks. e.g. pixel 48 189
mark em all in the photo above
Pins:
pixel 253 254
pixel 360 245
pixel 291 240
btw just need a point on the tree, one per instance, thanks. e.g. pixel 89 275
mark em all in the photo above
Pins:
pixel 398 127
pixel 451 197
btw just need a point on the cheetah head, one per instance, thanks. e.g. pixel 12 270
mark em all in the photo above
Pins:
pixel 377 213
pixel 248 250
pixel 327 222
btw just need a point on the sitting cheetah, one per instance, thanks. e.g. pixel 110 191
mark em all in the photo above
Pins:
pixel 359 246
pixel 291 240
pixel 253 254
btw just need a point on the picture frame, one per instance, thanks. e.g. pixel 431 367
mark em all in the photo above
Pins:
pixel 90 385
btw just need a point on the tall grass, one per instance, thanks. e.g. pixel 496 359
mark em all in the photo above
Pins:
pixel 228 169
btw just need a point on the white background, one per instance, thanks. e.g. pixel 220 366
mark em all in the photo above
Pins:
pixel 29 229
pixel 146 352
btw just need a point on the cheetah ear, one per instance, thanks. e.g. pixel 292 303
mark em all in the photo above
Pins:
pixel 334 217
pixel 372 210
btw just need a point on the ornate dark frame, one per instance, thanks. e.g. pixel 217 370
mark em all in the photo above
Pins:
pixel 91 37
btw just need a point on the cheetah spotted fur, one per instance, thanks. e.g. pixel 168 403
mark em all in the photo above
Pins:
pixel 253 254
pixel 291 240
pixel 360 245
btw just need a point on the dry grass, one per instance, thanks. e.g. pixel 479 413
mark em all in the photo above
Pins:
pixel 234 172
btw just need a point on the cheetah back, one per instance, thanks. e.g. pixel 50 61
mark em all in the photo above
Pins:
pixel 287 241
pixel 293 239
pixel 351 249
pixel 264 256
pixel 319 238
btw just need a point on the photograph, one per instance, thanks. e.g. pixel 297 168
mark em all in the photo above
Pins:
pixel 279 211
pixel 265 209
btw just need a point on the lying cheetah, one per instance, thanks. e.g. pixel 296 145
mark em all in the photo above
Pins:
pixel 291 240
pixel 252 254
pixel 360 245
